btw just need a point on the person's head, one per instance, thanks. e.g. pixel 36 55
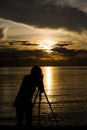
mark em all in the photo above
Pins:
pixel 36 71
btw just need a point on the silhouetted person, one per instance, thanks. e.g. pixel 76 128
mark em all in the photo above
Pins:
pixel 23 100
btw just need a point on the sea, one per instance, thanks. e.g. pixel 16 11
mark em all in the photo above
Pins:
pixel 63 103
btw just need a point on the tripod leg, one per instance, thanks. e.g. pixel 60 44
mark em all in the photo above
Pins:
pixel 51 108
pixel 39 109
pixel 35 99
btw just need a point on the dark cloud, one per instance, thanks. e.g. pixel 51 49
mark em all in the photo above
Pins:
pixel 70 53
pixel 44 14
pixel 13 52
pixel 24 43
pixel 10 56
pixel 3 33
pixel 14 57
pixel 63 44
pixel 63 51
pixel 80 4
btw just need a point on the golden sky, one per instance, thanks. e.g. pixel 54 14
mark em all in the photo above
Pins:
pixel 48 30
pixel 45 37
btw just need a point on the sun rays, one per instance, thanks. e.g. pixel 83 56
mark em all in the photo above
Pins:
pixel 47 44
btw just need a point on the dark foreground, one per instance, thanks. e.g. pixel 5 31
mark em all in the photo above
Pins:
pixel 3 127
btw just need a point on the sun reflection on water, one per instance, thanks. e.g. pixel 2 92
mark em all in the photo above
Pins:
pixel 51 82
pixel 48 79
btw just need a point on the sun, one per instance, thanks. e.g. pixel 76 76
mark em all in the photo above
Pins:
pixel 47 44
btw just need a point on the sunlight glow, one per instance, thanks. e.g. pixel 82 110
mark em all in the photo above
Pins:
pixel 47 44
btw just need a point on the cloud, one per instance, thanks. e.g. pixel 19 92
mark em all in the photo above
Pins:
pixel 70 53
pixel 44 14
pixel 59 56
pixel 3 33
pixel 80 4
pixel 63 44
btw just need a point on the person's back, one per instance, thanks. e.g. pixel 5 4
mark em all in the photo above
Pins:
pixel 26 91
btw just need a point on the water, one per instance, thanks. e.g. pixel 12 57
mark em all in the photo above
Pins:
pixel 66 90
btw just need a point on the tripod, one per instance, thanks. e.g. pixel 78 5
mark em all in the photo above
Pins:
pixel 39 93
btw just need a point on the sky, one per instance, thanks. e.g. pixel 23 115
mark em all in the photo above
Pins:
pixel 48 32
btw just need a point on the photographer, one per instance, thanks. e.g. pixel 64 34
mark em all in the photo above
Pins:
pixel 23 100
